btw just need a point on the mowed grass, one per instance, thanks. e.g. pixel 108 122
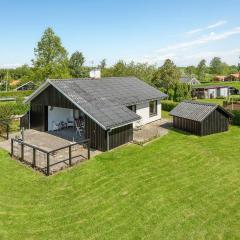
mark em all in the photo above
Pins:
pixel 212 100
pixel 177 187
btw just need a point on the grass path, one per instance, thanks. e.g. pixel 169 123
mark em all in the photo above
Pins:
pixel 177 187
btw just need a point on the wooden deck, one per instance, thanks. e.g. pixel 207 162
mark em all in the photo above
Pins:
pixel 48 142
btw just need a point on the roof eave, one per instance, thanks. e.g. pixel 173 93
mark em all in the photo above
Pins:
pixel 37 91
pixel 123 124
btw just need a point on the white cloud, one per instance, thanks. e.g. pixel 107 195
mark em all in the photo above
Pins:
pixel 229 56
pixel 195 31
pixel 10 65
pixel 157 58
pixel 202 40
pixel 217 24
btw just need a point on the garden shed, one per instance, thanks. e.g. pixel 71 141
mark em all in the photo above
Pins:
pixel 200 118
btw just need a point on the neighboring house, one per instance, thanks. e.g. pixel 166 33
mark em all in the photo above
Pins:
pixel 26 86
pixel 211 91
pixel 110 107
pixel 232 77
pixel 219 78
pixel 189 80
pixel 200 118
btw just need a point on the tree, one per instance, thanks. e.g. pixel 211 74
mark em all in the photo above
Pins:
pixel 190 71
pixel 166 76
pixel 75 64
pixel 239 65
pixel 181 92
pixel 103 64
pixel 51 58
pixel 216 65
pixel 201 70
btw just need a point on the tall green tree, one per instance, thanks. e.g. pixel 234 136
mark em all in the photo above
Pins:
pixel 239 65
pixel 166 76
pixel 51 58
pixel 216 65
pixel 103 64
pixel 190 71
pixel 201 70
pixel 181 92
pixel 76 62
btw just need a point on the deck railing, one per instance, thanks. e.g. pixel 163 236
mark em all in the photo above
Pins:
pixel 24 121
pixel 4 129
pixel 49 161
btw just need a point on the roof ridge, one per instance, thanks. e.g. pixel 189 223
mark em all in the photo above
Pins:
pixel 200 103
pixel 89 78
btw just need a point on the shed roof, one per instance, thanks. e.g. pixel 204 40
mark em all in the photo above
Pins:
pixel 196 111
pixel 105 100
pixel 210 87
pixel 27 83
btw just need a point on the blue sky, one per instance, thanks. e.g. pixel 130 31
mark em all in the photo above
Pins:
pixel 140 30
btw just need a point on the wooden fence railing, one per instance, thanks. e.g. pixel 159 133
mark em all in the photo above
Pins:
pixel 4 129
pixel 24 121
pixel 46 160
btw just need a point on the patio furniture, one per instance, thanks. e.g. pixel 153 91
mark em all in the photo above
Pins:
pixel 70 123
pixel 56 125
pixel 79 127
pixel 63 124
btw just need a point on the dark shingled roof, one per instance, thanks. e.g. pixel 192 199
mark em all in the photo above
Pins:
pixel 196 111
pixel 105 99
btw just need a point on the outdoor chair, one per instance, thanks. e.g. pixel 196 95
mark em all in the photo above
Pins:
pixel 70 123
pixel 79 127
pixel 56 125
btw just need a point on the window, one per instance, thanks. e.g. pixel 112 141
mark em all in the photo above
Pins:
pixel 152 108
pixel 132 108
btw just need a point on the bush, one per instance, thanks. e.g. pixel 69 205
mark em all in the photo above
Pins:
pixel 168 105
pixel 236 117
pixel 8 109
pixel 16 94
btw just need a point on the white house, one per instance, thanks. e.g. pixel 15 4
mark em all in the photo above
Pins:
pixel 211 91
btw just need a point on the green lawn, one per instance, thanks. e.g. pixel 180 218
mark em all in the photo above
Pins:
pixel 165 114
pixel 212 100
pixel 177 187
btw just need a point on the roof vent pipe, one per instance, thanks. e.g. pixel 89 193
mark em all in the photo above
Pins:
pixel 95 73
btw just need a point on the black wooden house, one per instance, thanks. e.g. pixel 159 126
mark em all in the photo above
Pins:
pixel 104 103
pixel 200 118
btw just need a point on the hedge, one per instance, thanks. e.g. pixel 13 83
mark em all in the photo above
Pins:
pixel 168 105
pixel 16 94
pixel 236 117
pixel 12 108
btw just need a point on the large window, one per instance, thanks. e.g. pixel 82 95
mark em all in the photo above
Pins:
pixel 152 108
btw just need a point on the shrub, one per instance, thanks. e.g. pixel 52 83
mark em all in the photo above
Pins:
pixel 5 112
pixel 236 117
pixel 168 105
pixel 8 109
pixel 17 94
